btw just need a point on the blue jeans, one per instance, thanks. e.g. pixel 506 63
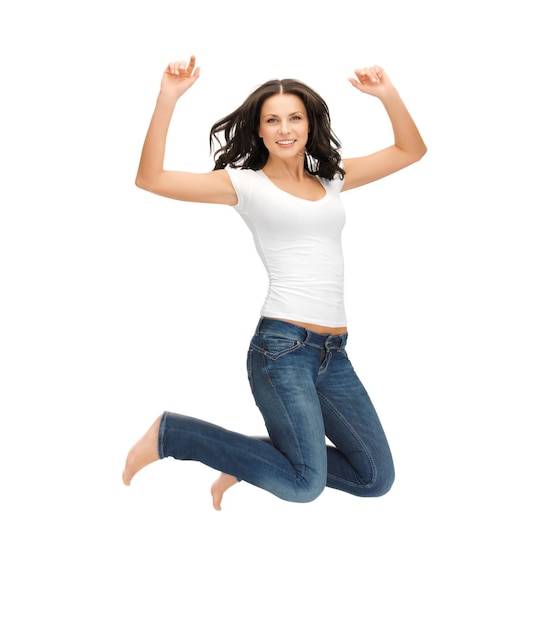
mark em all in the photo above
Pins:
pixel 306 390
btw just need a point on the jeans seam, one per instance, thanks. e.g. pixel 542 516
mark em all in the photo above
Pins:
pixel 359 441
pixel 279 398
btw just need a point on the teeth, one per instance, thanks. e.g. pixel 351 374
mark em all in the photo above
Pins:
pixel 285 142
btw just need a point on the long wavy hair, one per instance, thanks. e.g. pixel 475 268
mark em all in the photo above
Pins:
pixel 243 148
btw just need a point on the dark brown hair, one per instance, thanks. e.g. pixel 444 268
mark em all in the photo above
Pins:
pixel 243 148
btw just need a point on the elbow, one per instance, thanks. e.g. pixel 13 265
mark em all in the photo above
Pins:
pixel 150 179
pixel 418 154
pixel 412 154
pixel 142 183
pixel 421 152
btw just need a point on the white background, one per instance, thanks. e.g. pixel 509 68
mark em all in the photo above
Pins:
pixel 117 305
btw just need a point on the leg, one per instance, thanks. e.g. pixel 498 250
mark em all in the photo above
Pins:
pixel 145 451
pixel 361 462
pixel 293 466
pixel 282 371
pixel 221 485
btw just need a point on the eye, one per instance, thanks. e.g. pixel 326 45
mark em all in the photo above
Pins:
pixel 271 120
pixel 296 118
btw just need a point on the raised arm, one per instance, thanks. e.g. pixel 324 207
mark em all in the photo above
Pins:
pixel 213 187
pixel 408 145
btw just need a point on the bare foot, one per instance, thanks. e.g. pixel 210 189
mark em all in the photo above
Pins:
pixel 145 451
pixel 219 486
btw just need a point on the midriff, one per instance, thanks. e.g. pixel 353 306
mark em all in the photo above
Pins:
pixel 316 328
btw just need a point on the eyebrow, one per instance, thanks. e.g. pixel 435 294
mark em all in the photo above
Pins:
pixel 276 115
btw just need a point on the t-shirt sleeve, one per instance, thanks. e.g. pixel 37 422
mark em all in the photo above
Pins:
pixel 238 178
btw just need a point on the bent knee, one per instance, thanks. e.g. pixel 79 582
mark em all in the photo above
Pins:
pixel 380 485
pixel 309 490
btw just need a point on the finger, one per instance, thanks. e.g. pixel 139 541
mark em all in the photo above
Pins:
pixel 372 74
pixel 366 75
pixel 181 67
pixel 186 68
pixel 355 83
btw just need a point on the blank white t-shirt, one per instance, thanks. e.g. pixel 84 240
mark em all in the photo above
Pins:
pixel 299 242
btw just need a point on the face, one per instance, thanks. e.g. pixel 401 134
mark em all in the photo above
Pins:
pixel 284 126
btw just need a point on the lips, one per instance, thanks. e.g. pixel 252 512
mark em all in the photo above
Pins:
pixel 286 142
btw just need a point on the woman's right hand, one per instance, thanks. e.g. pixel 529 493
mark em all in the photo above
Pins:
pixel 179 76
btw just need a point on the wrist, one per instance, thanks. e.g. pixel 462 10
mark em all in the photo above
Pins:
pixel 389 95
pixel 167 99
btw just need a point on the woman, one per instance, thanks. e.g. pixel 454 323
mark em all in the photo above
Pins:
pixel 279 166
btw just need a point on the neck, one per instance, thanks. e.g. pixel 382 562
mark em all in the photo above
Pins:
pixel 293 168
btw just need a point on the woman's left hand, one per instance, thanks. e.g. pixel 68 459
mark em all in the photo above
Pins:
pixel 372 80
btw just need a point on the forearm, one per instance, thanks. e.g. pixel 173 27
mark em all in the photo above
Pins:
pixel 154 148
pixel 406 134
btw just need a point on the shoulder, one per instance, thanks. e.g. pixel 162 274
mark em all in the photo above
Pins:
pixel 240 175
pixel 244 182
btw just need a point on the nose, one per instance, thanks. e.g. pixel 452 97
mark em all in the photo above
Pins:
pixel 285 127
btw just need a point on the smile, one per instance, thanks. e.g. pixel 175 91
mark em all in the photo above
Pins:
pixel 286 142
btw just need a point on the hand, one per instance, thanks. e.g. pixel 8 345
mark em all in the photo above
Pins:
pixel 371 80
pixel 179 76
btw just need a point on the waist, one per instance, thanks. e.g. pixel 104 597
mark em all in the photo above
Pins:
pixel 316 328
pixel 316 305
pixel 303 332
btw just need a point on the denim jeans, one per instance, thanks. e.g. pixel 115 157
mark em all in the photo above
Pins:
pixel 307 391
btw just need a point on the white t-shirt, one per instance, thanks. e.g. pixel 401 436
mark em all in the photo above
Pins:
pixel 299 242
